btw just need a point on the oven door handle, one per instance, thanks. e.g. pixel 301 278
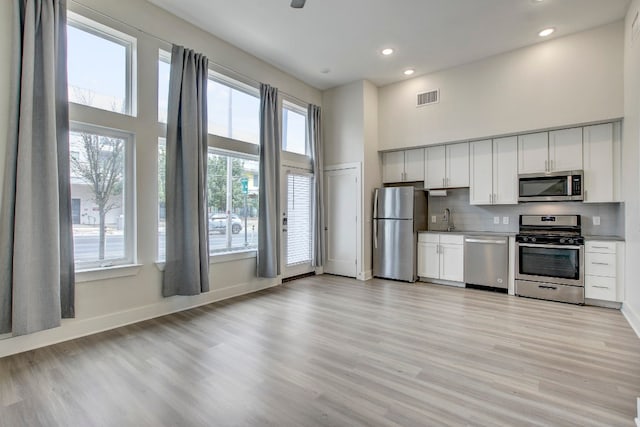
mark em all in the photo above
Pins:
pixel 534 245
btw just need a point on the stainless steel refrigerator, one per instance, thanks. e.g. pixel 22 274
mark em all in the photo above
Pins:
pixel 398 214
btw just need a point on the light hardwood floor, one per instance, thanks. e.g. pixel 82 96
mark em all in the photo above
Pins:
pixel 333 351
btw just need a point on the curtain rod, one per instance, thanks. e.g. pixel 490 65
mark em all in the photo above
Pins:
pixel 140 30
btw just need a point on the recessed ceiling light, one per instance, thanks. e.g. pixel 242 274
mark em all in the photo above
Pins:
pixel 546 32
pixel 409 71
pixel 386 52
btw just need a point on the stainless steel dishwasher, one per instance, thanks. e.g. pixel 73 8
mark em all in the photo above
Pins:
pixel 486 261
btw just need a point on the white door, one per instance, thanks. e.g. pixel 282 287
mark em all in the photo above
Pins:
pixel 393 166
pixel 565 150
pixel 505 171
pixel 457 165
pixel 434 167
pixel 430 260
pixel 533 152
pixel 598 164
pixel 297 236
pixel 480 185
pixel 452 262
pixel 414 165
pixel 341 221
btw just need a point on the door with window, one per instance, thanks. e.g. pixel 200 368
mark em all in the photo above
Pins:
pixel 296 223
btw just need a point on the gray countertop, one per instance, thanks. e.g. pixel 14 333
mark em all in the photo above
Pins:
pixel 470 233
pixel 496 233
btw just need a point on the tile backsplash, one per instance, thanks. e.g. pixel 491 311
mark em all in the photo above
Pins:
pixel 468 217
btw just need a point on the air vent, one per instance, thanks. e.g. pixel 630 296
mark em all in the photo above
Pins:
pixel 427 98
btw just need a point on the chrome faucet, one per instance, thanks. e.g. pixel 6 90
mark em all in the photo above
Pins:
pixel 448 220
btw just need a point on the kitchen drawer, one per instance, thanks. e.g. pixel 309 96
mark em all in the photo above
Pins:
pixel 428 237
pixel 597 264
pixel 451 239
pixel 600 247
pixel 602 288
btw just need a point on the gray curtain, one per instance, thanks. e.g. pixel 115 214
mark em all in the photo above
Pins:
pixel 187 254
pixel 269 199
pixel 314 138
pixel 36 241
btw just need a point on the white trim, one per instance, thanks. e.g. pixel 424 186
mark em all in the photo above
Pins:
pixel 77 328
pixel 95 274
pixel 632 317
pixel 222 257
pixel 365 275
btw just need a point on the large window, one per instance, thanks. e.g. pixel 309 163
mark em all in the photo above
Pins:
pixel 232 164
pixel 99 63
pixel 164 72
pixel 294 129
pixel 232 192
pixel 101 183
pixel 234 110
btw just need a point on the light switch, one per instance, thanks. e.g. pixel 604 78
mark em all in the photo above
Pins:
pixel 596 220
pixel 496 220
pixel 433 219
pixel 505 220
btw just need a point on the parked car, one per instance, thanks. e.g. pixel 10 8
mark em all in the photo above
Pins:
pixel 218 223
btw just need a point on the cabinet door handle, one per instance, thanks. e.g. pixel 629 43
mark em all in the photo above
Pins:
pixel 443 184
pixel 494 197
pixel 490 200
pixel 600 287
pixel 546 165
pixel 599 247
pixel 585 195
pixel 600 263
pixel 550 165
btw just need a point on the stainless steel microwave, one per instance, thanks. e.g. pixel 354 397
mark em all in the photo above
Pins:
pixel 551 187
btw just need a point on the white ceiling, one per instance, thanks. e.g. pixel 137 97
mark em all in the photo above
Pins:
pixel 345 36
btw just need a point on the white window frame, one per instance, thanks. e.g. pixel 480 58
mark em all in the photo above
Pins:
pixel 128 197
pixel 163 56
pixel 299 160
pixel 127 41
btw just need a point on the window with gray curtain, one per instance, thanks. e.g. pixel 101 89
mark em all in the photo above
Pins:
pixel 269 206
pixel 314 131
pixel 187 246
pixel 36 247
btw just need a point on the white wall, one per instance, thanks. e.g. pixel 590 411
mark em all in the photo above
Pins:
pixel 108 303
pixel 343 124
pixel 569 80
pixel 631 176
pixel 350 115
pixel 371 170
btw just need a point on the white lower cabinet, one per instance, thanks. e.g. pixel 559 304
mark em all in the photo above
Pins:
pixel 604 270
pixel 441 256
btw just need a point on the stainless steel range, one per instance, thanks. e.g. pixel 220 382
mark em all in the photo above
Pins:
pixel 550 258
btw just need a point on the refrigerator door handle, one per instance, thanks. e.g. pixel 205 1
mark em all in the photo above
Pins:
pixel 375 204
pixel 375 233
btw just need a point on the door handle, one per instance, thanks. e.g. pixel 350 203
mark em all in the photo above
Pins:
pixel 375 230
pixel 546 165
pixel 547 287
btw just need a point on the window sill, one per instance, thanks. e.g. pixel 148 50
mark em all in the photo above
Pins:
pixel 223 257
pixel 96 274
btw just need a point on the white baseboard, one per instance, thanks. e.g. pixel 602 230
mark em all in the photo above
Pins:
pixel 365 275
pixel 442 282
pixel 77 328
pixel 632 317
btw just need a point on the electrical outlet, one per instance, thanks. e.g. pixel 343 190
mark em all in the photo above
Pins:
pixel 505 220
pixel 596 220
pixel 434 219
pixel 496 220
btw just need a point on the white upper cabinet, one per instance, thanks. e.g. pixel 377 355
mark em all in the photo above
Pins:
pixel 565 150
pixel 435 167
pixel 414 165
pixel 481 179
pixel 403 166
pixel 393 166
pixel 457 165
pixel 447 166
pixel 494 171
pixel 555 151
pixel 533 152
pixel 505 171
pixel 601 163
